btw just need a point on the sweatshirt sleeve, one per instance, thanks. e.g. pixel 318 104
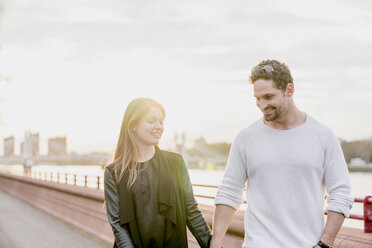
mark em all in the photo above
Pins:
pixel 231 190
pixel 336 177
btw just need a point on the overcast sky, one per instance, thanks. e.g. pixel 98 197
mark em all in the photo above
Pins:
pixel 74 65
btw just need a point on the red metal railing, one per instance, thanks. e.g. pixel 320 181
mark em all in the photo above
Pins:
pixel 97 182
pixel 367 208
pixel 357 216
pixel 367 215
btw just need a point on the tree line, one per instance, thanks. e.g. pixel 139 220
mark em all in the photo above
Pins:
pixel 352 149
pixel 358 149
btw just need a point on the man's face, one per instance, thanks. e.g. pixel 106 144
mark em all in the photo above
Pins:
pixel 272 102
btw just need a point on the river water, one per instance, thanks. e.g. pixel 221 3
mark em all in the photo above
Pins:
pixel 361 183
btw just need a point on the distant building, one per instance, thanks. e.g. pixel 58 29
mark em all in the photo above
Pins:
pixel 9 146
pixel 21 148
pixel 35 143
pixel 57 146
pixel 30 145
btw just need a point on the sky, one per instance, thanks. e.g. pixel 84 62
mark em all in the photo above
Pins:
pixel 71 67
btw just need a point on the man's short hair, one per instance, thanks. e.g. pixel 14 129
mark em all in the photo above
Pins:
pixel 272 69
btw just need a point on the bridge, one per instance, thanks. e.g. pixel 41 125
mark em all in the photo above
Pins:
pixel 82 208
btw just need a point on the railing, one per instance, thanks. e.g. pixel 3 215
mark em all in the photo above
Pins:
pixel 361 217
pixel 367 208
pixel 88 181
pixel 97 183
pixel 367 216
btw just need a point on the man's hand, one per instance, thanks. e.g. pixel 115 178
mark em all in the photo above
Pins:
pixel 215 243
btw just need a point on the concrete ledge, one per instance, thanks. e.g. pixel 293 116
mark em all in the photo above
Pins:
pixel 84 208
pixel 353 238
pixel 73 190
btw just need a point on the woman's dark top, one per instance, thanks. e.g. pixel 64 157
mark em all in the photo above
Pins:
pixel 154 212
pixel 145 200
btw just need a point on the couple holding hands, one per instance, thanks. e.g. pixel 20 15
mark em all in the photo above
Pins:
pixel 286 158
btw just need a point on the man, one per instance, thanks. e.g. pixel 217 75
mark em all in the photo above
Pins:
pixel 285 157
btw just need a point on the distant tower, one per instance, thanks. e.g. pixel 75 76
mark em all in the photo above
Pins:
pixel 9 146
pixel 27 150
pixel 180 142
pixel 21 148
pixel 57 146
pixel 30 145
pixel 35 143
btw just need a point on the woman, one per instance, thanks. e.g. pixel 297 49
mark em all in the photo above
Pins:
pixel 148 194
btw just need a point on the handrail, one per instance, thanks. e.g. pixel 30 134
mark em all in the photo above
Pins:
pixel 75 179
pixel 361 200
pixel 81 180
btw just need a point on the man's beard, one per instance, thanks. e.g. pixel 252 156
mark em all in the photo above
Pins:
pixel 273 116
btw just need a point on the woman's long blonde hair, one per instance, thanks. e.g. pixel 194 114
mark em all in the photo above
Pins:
pixel 127 151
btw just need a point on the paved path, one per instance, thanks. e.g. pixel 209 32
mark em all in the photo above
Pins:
pixel 24 226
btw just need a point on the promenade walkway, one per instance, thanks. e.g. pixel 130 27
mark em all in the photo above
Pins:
pixel 24 226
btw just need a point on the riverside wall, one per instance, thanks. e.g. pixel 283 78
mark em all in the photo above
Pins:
pixel 83 208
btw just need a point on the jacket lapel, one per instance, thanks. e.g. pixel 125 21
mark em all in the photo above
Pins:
pixel 166 187
pixel 126 204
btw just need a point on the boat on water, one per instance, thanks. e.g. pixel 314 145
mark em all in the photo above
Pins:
pixel 360 168
pixel 359 165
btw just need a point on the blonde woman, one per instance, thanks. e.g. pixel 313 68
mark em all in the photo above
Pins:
pixel 148 194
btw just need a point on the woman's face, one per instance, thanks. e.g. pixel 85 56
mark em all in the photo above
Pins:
pixel 149 129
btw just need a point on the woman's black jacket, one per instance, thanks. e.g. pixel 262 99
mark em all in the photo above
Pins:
pixel 176 203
